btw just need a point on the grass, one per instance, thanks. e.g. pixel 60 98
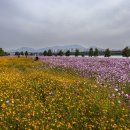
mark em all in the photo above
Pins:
pixel 33 95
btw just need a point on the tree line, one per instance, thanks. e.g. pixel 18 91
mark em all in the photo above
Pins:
pixel 91 52
pixel 22 53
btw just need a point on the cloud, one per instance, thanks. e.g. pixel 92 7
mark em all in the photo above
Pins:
pixel 48 22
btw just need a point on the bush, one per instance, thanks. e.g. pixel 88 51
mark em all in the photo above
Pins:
pixel 2 53
pixel 107 53
pixel 77 52
pixel 126 52
pixel 90 53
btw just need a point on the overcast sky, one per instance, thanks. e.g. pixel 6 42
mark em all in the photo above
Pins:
pixel 43 23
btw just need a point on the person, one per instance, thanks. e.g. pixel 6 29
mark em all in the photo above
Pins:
pixel 36 57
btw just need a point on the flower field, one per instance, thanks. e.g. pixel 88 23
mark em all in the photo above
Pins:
pixel 64 93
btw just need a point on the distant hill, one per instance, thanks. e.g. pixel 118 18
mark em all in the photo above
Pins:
pixel 53 48
pixel 72 48
pixel 64 48
pixel 24 49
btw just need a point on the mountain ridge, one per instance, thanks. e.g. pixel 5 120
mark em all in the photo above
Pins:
pixel 55 48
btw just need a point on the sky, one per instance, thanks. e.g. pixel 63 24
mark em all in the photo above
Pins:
pixel 44 23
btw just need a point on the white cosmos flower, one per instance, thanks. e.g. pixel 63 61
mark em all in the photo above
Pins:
pixel 113 94
pixel 119 94
pixel 7 101
pixel 126 95
pixel 116 89
pixel 119 101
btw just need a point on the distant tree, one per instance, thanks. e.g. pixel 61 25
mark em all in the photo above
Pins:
pixel 49 53
pixel 26 53
pixel 45 53
pixel 2 53
pixel 67 53
pixel 90 53
pixel 60 53
pixel 31 54
pixel 126 52
pixel 107 53
pixel 55 54
pixel 6 53
pixel 83 54
pixel 76 52
pixel 96 52
pixel 17 54
pixel 21 53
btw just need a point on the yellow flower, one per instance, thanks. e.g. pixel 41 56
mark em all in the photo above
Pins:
pixel 73 122
pixel 69 126
pixel 3 105
pixel 112 120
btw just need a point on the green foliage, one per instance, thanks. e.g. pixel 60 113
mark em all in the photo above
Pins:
pixel 2 53
pixel 77 52
pixel 90 53
pixel 49 53
pixel 96 52
pixel 83 54
pixel 107 53
pixel 22 53
pixel 26 53
pixel 126 52
pixel 45 53
pixel 6 53
pixel 67 53
pixel 31 54
pixel 17 54
pixel 60 53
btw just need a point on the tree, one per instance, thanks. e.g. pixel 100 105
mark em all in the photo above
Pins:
pixel 107 53
pixel 22 53
pixel 49 53
pixel 31 54
pixel 17 54
pixel 45 53
pixel 96 52
pixel 60 53
pixel 26 53
pixel 67 53
pixel 77 52
pixel 6 53
pixel 2 53
pixel 126 52
pixel 90 53
pixel 83 54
